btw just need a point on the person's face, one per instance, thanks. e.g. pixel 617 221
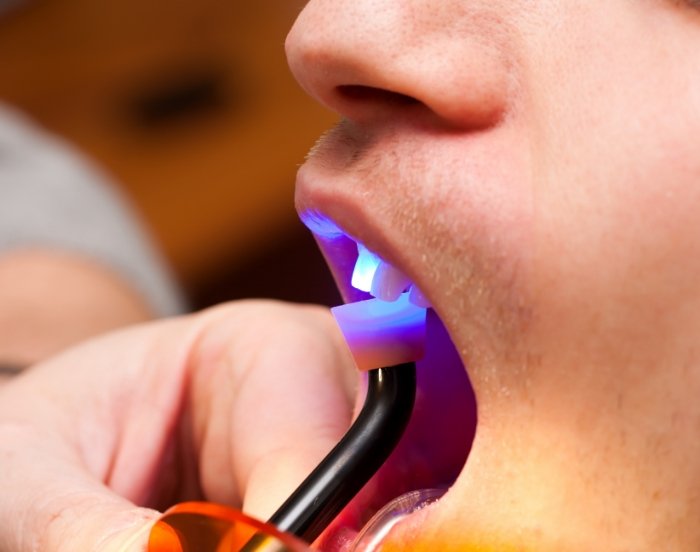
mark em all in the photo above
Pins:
pixel 532 165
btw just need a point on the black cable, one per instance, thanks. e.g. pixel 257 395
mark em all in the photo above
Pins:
pixel 356 458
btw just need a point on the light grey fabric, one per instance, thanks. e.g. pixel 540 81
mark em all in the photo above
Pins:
pixel 50 196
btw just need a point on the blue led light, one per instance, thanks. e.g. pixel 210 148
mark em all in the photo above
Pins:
pixel 365 269
pixel 380 333
pixel 398 316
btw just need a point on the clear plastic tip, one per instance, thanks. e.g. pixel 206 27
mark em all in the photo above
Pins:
pixel 376 530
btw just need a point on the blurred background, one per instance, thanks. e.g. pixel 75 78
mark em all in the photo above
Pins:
pixel 189 105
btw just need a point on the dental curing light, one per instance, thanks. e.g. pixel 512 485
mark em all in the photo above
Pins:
pixel 391 334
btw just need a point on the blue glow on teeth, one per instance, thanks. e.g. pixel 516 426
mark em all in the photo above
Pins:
pixel 365 269
pixel 370 274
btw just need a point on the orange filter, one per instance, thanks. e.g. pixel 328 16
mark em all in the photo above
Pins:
pixel 206 527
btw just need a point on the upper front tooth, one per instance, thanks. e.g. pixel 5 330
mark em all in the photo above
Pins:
pixel 365 269
pixel 388 282
pixel 416 296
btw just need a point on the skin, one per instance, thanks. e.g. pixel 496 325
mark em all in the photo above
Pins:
pixel 37 322
pixel 96 440
pixel 531 165
pixel 234 405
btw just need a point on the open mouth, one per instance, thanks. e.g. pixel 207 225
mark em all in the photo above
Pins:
pixel 435 446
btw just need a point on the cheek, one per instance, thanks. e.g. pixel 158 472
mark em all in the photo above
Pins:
pixel 632 215
pixel 617 198
pixel 465 214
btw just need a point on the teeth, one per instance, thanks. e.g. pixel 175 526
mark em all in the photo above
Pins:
pixel 389 283
pixel 382 280
pixel 416 297
pixel 371 274
pixel 365 269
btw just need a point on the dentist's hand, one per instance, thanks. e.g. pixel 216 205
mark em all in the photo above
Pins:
pixel 233 405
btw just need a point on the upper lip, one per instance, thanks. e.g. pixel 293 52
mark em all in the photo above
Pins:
pixel 318 197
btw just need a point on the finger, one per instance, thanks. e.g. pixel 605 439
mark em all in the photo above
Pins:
pixel 82 439
pixel 51 503
pixel 86 436
pixel 290 389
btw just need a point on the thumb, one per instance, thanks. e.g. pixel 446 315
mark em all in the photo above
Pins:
pixel 280 472
pixel 292 401
pixel 107 527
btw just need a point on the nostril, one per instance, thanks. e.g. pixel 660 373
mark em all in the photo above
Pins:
pixel 370 94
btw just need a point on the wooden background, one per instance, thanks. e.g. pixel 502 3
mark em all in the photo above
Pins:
pixel 190 106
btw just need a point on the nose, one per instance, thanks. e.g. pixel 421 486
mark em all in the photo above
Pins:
pixel 368 59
